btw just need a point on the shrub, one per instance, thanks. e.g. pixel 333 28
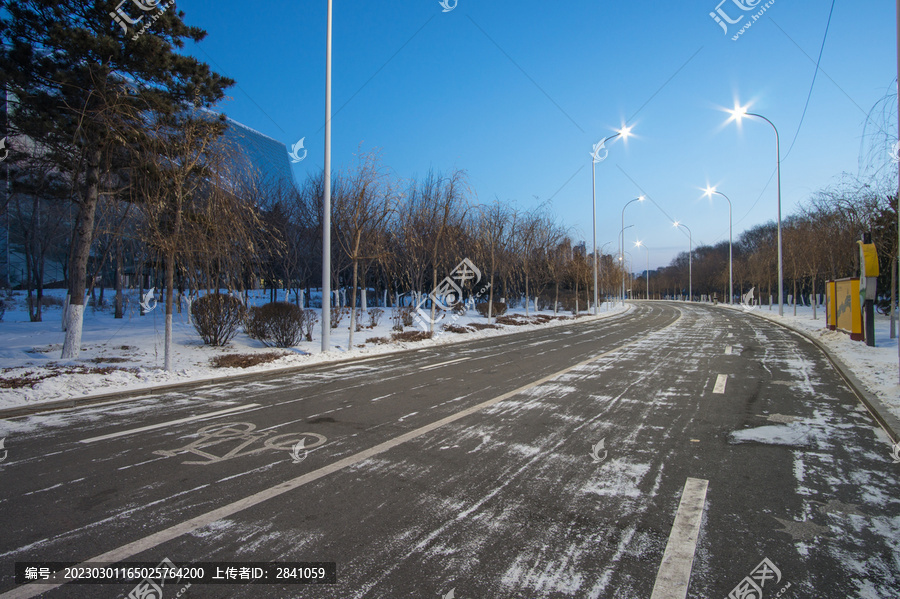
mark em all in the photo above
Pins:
pixel 310 319
pixel 498 310
pixel 375 317
pixel 279 324
pixel 510 321
pixel 378 340
pixel 217 317
pixel 402 317
pixel 337 315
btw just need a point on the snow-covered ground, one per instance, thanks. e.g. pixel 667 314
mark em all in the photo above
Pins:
pixel 127 354
pixel 876 367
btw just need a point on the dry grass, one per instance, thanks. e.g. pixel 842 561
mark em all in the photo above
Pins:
pixel 480 326
pixel 378 340
pixel 102 360
pixel 31 378
pixel 245 360
pixel 455 328
pixel 411 336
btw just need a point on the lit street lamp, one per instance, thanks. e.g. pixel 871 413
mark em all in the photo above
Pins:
pixel 621 257
pixel 640 244
pixel 624 132
pixel 622 254
pixel 710 191
pixel 690 261
pixel 737 114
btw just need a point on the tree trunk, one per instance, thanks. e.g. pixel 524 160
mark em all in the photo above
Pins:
pixel 81 251
pixel 353 305
pixel 170 292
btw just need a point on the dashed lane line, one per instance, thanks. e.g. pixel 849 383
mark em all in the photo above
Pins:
pixel 674 576
pixel 721 381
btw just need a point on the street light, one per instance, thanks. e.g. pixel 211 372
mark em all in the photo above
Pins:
pixel 737 114
pixel 690 261
pixel 621 258
pixel 326 201
pixel 640 244
pixel 711 191
pixel 624 132
pixel 622 254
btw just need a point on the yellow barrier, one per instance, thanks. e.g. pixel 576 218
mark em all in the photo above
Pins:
pixel 844 311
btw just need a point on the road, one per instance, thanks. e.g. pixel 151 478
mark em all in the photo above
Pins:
pixel 477 470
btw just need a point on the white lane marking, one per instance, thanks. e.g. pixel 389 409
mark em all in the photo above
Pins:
pixel 721 381
pixel 728 350
pixel 674 574
pixel 170 423
pixel 173 532
pixel 430 366
pixel 730 335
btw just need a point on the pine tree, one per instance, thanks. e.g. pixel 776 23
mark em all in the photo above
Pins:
pixel 83 78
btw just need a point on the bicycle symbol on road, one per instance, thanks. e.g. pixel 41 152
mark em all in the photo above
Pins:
pixel 237 437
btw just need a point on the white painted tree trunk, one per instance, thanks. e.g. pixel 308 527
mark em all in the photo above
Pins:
pixel 74 323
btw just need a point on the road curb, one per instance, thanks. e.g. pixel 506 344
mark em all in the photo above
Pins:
pixel 879 412
pixel 116 396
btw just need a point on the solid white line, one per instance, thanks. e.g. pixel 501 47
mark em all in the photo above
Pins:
pixel 430 366
pixel 173 532
pixel 721 381
pixel 674 574
pixel 170 423
pixel 728 350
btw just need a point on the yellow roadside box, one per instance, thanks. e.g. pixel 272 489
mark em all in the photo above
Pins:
pixel 844 311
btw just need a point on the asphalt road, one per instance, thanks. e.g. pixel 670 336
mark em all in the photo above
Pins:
pixel 476 470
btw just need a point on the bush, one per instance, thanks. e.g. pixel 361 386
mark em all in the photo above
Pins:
pixel 217 317
pixel 498 310
pixel 310 319
pixel 402 317
pixel 279 324
pixel 337 315
pixel 375 317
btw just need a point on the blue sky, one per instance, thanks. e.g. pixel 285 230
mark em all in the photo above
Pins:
pixel 516 93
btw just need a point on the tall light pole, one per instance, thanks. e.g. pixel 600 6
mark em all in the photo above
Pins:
pixel 640 244
pixel 326 200
pixel 737 114
pixel 624 132
pixel 601 255
pixel 622 257
pixel 690 260
pixel 711 191
pixel 622 254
